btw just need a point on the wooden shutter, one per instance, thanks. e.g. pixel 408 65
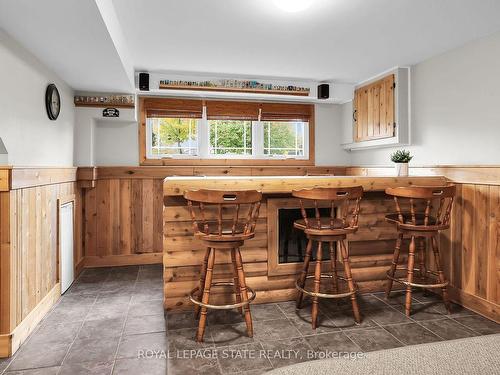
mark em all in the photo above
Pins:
pixel 228 110
pixel 374 110
pixel 176 108
pixel 286 112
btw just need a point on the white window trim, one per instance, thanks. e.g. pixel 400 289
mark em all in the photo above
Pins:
pixel 204 144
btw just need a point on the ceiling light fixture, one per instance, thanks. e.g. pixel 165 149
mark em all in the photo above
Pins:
pixel 293 5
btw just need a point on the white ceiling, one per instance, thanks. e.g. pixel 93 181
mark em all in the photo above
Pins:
pixel 338 40
pixel 71 38
pixel 346 40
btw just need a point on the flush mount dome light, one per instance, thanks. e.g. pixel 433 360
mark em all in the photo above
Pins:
pixel 293 5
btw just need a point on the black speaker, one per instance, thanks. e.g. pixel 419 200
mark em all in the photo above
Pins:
pixel 144 81
pixel 323 91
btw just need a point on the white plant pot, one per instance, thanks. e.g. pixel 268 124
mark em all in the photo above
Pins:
pixel 401 169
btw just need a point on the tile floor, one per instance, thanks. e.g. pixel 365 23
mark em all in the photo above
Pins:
pixel 112 321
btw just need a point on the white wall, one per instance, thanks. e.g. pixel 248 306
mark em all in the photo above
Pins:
pixel 455 109
pixel 329 135
pixel 30 137
pixel 115 141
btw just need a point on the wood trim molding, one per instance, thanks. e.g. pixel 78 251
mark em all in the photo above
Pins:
pixel 480 175
pixel 144 161
pixel 5 183
pixel 9 343
pixel 13 178
pixel 477 304
pixel 123 260
pixel 88 175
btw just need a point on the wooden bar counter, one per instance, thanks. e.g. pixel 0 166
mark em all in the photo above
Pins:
pixel 370 248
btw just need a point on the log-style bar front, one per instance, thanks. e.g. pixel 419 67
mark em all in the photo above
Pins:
pixel 273 258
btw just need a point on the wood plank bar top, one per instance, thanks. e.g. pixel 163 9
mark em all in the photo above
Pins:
pixel 175 186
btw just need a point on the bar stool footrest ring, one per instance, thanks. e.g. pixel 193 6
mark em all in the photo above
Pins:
pixel 326 295
pixel 193 299
pixel 403 280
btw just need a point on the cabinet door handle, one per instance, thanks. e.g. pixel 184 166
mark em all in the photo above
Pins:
pixel 354 115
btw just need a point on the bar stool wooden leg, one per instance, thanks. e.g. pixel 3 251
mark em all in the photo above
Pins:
pixel 206 296
pixel 395 260
pixel 421 256
pixel 244 292
pixel 303 274
pixel 411 265
pixel 350 282
pixel 442 278
pixel 333 261
pixel 317 285
pixel 203 274
pixel 236 281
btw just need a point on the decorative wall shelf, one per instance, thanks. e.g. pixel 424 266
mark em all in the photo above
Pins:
pixel 105 101
pixel 235 89
pixel 104 105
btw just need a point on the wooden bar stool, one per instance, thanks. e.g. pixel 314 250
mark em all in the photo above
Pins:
pixel 343 204
pixel 421 213
pixel 216 222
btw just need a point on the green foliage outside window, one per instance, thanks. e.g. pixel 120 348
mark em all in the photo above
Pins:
pixel 231 137
pixel 279 138
pixel 175 132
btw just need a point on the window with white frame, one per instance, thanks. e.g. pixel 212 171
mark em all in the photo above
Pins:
pixel 240 130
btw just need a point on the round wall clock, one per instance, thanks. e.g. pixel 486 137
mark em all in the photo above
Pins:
pixel 52 101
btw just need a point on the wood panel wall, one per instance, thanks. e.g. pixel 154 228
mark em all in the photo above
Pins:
pixel 29 248
pixel 474 263
pixel 123 208
pixel 123 220
pixel 471 247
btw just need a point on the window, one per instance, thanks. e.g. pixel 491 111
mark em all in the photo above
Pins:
pixel 284 138
pixel 193 130
pixel 230 137
pixel 173 136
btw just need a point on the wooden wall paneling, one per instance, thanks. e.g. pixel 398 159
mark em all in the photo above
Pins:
pixel 103 218
pixel 493 256
pixel 468 255
pixel 481 240
pixel 90 222
pixel 147 216
pixel 456 239
pixel 114 217
pixel 8 271
pixel 158 215
pixel 28 250
pixel 137 216
pixel 126 227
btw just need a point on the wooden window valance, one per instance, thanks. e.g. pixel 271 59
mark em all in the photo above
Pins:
pixel 228 110
pixel 286 112
pixel 177 108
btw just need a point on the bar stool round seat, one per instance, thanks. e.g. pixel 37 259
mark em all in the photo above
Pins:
pixel 420 218
pixel 218 222
pixel 325 227
pixel 343 204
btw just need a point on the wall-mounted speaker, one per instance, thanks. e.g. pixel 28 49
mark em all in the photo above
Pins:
pixel 144 81
pixel 323 91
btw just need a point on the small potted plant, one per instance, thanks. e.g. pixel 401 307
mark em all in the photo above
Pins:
pixel 401 159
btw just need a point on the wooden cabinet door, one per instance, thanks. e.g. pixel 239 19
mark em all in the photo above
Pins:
pixel 374 110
